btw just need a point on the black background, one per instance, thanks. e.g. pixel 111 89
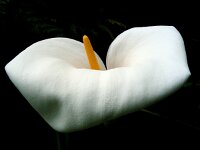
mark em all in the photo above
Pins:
pixel 172 123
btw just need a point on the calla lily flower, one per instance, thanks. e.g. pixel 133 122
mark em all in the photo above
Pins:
pixel 144 65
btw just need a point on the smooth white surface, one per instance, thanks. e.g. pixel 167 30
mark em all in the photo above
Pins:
pixel 145 64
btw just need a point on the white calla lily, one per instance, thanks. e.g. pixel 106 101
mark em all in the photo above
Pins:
pixel 145 64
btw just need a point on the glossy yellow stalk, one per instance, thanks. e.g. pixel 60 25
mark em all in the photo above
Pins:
pixel 90 54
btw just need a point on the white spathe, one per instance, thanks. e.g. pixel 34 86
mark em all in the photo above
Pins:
pixel 145 64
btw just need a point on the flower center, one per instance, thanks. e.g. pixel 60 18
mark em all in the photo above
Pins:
pixel 90 54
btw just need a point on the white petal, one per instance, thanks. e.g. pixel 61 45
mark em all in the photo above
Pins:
pixel 146 64
pixel 154 64
pixel 53 76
